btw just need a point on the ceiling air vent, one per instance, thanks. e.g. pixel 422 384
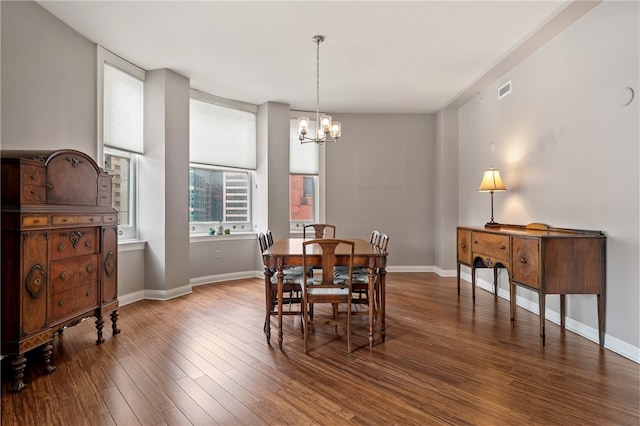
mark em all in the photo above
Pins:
pixel 504 90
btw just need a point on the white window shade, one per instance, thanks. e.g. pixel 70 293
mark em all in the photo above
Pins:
pixel 303 158
pixel 222 136
pixel 123 113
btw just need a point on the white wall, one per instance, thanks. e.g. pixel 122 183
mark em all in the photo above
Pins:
pixel 380 175
pixel 48 82
pixel 568 152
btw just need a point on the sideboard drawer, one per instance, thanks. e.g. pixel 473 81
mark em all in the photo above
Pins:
pixel 464 246
pixel 525 261
pixel 491 246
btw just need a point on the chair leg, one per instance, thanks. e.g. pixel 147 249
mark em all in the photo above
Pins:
pixel 305 330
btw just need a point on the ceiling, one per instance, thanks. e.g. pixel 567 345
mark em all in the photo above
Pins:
pixel 378 56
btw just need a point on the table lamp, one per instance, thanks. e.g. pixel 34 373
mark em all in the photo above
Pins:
pixel 491 182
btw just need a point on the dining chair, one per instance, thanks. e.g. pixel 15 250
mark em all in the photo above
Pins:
pixel 292 284
pixel 320 230
pixel 326 289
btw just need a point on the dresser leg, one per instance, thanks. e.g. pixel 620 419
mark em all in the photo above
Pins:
pixel 114 322
pixel 47 350
pixel 458 279
pixel 18 364
pixel 99 325
pixel 473 284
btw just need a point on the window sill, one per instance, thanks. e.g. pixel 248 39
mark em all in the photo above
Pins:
pixel 131 245
pixel 204 238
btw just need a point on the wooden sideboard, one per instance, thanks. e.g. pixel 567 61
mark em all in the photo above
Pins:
pixel 541 258
pixel 59 251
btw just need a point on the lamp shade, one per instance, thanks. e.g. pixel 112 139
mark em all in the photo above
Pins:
pixel 491 181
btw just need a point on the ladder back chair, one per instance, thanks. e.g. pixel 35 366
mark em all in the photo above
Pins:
pixel 319 230
pixel 327 289
pixel 292 285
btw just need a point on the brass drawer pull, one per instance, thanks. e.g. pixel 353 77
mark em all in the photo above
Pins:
pixel 502 247
pixel 463 245
pixel 523 260
pixel 61 247
pixel 63 275
pixel 90 268
pixel 88 243
pixel 61 303
pixel 88 293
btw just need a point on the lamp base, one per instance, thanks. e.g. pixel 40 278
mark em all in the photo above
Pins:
pixel 492 225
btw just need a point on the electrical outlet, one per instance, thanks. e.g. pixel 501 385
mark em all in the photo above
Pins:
pixel 218 254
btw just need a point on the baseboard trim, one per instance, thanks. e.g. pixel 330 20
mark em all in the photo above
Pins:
pixel 615 345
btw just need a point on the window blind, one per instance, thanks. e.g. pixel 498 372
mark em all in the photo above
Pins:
pixel 123 113
pixel 221 136
pixel 303 158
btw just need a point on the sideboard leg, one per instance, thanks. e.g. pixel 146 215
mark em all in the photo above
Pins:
pixel 473 283
pixel 542 300
pixel 562 310
pixel 601 318
pixel 512 304
pixel 18 364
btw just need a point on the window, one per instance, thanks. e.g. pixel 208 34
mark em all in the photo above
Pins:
pixel 222 151
pixel 303 180
pixel 120 135
pixel 219 196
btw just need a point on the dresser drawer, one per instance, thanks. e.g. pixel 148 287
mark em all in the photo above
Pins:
pixel 32 175
pixel 525 261
pixel 464 246
pixel 35 221
pixel 72 272
pixel 74 242
pixel 32 194
pixel 76 220
pixel 492 246
pixel 75 301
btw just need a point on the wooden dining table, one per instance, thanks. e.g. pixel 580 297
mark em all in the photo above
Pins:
pixel 288 252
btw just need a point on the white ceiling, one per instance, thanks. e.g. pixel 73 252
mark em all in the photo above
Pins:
pixel 378 56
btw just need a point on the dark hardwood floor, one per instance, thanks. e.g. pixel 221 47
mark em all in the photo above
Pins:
pixel 203 359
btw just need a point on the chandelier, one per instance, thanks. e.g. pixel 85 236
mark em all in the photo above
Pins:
pixel 327 130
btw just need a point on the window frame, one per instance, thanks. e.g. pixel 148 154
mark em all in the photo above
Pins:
pixel 235 227
pixel 125 232
pixel 196 228
pixel 295 226
pixel 128 231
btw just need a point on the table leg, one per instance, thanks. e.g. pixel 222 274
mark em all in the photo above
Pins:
pixel 495 281
pixel 268 300
pixel 280 275
pixel 458 278
pixel 562 310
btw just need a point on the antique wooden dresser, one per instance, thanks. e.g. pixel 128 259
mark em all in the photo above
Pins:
pixel 59 251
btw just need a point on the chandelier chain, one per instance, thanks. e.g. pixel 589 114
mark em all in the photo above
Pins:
pixel 318 40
